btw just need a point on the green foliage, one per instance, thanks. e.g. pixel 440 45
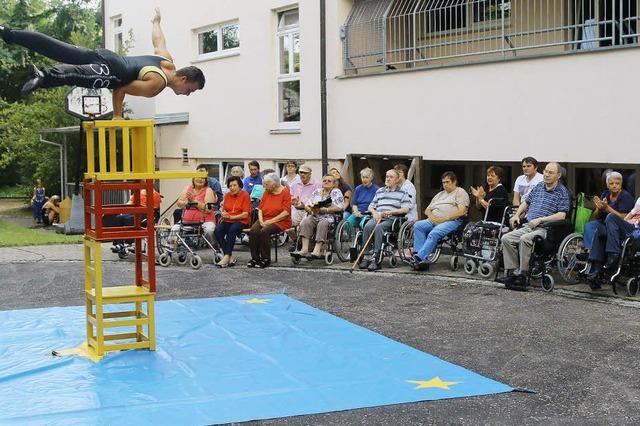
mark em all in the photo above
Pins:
pixel 22 156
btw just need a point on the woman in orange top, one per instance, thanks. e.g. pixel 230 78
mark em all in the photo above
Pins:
pixel 274 215
pixel 236 210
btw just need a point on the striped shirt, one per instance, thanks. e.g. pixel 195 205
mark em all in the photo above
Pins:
pixel 545 202
pixel 386 200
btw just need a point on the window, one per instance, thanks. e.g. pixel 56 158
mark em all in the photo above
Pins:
pixel 288 81
pixel 118 43
pixel 459 14
pixel 217 40
pixel 227 166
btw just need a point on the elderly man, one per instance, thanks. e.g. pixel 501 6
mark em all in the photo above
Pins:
pixel 301 192
pixel 388 202
pixel 548 201
pixel 444 215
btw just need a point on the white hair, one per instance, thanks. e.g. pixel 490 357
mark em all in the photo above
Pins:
pixel 614 175
pixel 271 178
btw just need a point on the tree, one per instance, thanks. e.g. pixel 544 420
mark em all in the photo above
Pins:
pixel 22 156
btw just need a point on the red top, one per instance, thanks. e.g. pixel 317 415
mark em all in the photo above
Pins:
pixel 272 205
pixel 157 198
pixel 193 215
pixel 237 204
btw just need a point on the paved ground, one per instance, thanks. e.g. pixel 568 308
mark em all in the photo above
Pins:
pixel 580 356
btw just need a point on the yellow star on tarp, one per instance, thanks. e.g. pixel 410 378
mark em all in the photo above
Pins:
pixel 436 382
pixel 256 301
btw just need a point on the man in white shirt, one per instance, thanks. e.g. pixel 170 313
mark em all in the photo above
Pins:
pixel 407 186
pixel 525 183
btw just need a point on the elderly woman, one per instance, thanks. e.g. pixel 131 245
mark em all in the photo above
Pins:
pixel 318 219
pixel 492 190
pixel 362 197
pixel 347 192
pixel 196 200
pixel 614 200
pixel 234 217
pixel 274 215
pixel 237 171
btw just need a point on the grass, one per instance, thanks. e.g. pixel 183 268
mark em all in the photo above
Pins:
pixel 13 235
pixel 17 191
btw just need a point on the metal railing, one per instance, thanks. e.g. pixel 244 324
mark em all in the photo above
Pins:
pixel 395 34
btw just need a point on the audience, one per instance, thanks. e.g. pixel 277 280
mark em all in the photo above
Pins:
pixel 235 215
pixel 525 182
pixel 491 190
pixel 274 215
pixel 318 218
pixel 196 201
pixel 362 197
pixel 389 201
pixel 300 195
pixel 548 201
pixel 444 215
pixel 254 178
pixel 342 186
pixel 407 186
pixel 291 177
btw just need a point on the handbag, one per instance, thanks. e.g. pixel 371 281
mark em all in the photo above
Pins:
pixel 582 215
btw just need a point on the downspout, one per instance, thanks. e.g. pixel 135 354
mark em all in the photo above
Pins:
pixel 323 85
pixel 43 140
pixel 104 23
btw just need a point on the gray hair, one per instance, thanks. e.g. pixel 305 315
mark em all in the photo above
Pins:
pixel 237 169
pixel 397 173
pixel 366 172
pixel 271 178
pixel 614 175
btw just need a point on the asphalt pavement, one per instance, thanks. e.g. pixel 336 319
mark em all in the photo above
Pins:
pixel 580 355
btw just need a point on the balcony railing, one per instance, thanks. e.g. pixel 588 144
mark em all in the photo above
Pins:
pixel 393 34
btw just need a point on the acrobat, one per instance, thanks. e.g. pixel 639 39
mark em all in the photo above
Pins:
pixel 101 68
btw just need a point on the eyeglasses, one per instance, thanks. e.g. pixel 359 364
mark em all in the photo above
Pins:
pixel 304 173
pixel 327 180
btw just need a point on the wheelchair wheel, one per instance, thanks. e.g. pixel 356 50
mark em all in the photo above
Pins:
pixel 343 239
pixel 164 259
pixel 122 254
pixel 486 269
pixel 572 258
pixel 548 282
pixel 182 258
pixel 454 263
pixel 393 261
pixel 434 256
pixel 328 258
pixel 196 262
pixel 470 267
pixel 217 257
pixel 632 287
pixel 405 241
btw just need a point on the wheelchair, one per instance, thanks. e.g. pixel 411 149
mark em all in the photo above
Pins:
pixel 123 248
pixel 339 242
pixel 451 243
pixel 482 245
pixel 628 268
pixel 391 242
pixel 545 257
pixel 182 243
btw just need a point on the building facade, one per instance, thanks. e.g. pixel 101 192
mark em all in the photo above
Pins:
pixel 446 84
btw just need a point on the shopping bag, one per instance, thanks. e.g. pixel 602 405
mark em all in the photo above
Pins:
pixel 583 214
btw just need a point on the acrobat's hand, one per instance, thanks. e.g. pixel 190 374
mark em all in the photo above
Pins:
pixel 157 17
pixel 117 117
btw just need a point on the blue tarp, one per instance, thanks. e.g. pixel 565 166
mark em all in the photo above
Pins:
pixel 218 360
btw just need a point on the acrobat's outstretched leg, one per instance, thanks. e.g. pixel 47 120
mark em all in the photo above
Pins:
pixel 80 66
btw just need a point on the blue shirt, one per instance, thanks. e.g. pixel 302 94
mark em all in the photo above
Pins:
pixel 623 204
pixel 249 181
pixel 545 202
pixel 217 188
pixel 363 196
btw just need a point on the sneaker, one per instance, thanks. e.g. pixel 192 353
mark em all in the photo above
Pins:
pixel 252 263
pixel 421 266
pixel 364 264
pixel 263 263
pixel 373 266
pixel 36 77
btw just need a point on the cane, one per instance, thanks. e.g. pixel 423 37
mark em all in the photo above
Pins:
pixel 364 248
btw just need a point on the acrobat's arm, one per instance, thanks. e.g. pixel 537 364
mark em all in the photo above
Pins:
pixel 147 88
pixel 157 37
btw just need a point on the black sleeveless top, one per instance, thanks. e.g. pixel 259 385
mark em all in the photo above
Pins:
pixel 136 67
